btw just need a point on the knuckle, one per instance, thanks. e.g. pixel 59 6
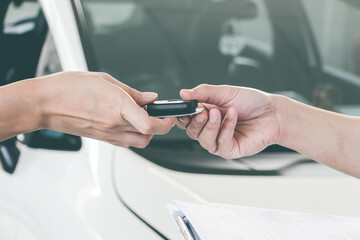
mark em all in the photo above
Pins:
pixel 165 131
pixel 144 142
pixel 132 92
pixel 167 128
pixel 141 145
pixel 204 144
pixel 225 156
pixel 221 141
pixel 204 86
pixel 148 139
pixel 104 75
pixel 191 134
pixel 146 128
pixel 208 145
pixel 222 155
pixel 180 125
pixel 211 151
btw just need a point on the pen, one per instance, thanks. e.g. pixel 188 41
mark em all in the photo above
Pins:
pixel 183 228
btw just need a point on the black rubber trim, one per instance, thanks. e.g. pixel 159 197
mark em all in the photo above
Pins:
pixel 84 35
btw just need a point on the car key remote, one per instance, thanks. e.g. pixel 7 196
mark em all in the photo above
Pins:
pixel 173 108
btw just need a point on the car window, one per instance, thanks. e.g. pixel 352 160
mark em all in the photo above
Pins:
pixel 336 28
pixel 176 49
pixel 269 45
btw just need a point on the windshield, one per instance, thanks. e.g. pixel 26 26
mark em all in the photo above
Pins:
pixel 305 49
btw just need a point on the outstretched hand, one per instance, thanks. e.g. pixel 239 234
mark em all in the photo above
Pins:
pixel 98 106
pixel 236 122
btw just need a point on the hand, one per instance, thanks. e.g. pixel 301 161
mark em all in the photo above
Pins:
pixel 236 122
pixel 98 106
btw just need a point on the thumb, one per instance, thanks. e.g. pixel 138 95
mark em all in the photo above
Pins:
pixel 142 98
pixel 204 93
pixel 147 97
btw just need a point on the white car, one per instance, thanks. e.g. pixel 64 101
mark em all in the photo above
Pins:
pixel 58 186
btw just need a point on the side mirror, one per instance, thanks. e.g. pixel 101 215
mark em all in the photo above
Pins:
pixel 9 155
pixel 52 140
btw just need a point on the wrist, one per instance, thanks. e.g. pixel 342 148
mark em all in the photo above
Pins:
pixel 281 105
pixel 34 97
pixel 21 108
pixel 43 101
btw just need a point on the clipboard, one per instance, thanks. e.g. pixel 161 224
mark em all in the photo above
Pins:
pixel 221 221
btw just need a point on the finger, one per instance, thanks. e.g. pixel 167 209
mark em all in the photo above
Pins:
pixel 139 118
pixel 225 139
pixel 208 94
pixel 209 133
pixel 131 139
pixel 182 122
pixel 197 124
pixel 141 98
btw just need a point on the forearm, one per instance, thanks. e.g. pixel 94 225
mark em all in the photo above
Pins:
pixel 330 138
pixel 20 106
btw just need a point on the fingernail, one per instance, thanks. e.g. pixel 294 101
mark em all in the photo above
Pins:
pixel 148 96
pixel 200 118
pixel 213 117
pixel 231 114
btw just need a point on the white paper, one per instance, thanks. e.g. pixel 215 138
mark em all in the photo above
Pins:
pixel 215 221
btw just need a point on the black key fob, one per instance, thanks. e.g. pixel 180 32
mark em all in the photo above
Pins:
pixel 172 108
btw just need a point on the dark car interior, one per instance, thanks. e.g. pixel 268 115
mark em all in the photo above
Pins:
pixel 186 35
pixel 167 46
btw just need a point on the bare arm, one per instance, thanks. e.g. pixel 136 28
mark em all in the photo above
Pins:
pixel 327 137
pixel 241 121
pixel 87 104
pixel 20 106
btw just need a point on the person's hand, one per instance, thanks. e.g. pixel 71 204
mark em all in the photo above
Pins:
pixel 236 122
pixel 98 106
